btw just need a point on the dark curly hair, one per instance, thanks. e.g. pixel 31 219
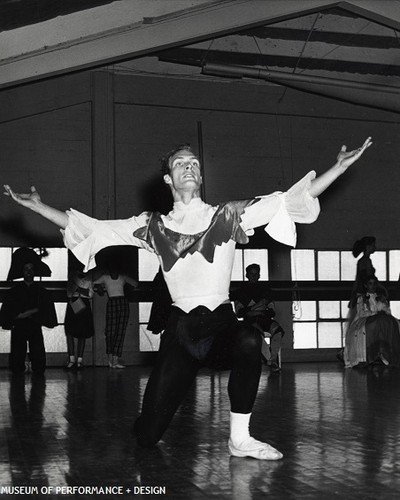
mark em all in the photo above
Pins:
pixel 165 167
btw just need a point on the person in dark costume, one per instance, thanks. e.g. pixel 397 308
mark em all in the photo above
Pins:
pixel 78 321
pixel 254 303
pixel 26 308
pixel 195 244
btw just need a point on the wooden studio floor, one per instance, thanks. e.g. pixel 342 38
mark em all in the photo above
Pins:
pixel 338 429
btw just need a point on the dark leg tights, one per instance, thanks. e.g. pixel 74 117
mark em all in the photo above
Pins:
pixel 175 371
pixel 80 347
pixel 70 345
pixel 246 369
pixel 168 384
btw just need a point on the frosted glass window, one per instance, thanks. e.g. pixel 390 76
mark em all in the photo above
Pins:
pixel 148 265
pixel 344 305
pixel 147 340
pixel 144 311
pixel 304 310
pixel 5 341
pixel 256 256
pixel 54 339
pixel 5 262
pixel 394 265
pixel 379 262
pixel 329 309
pixel 302 265
pixel 237 269
pixel 348 266
pixel 395 308
pixel 57 260
pixel 304 335
pixel 328 266
pixel 60 307
pixel 329 335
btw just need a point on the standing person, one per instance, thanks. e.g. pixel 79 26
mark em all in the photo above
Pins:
pixel 195 244
pixel 365 268
pixel 254 303
pixel 26 308
pixel 78 321
pixel 117 312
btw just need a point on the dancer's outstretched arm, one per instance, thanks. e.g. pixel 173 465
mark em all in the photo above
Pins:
pixel 344 160
pixel 33 202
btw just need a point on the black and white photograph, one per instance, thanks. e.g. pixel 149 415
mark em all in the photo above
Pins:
pixel 199 253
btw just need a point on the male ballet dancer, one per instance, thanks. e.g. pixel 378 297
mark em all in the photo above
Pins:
pixel 195 244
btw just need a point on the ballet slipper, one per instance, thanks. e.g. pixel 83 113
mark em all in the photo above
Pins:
pixel 116 364
pixel 255 449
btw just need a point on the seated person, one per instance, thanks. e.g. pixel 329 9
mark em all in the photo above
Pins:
pixel 253 303
pixel 373 335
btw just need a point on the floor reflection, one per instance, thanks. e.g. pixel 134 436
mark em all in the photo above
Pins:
pixel 338 430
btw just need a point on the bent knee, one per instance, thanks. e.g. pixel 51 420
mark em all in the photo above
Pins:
pixel 249 338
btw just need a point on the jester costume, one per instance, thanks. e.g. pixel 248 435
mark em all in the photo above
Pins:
pixel 195 244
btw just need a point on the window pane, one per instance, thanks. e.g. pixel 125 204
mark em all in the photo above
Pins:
pixel 394 265
pixel 328 266
pixel 260 257
pixel 57 260
pixel 395 308
pixel 5 342
pixel 304 335
pixel 148 341
pixel 348 266
pixel 304 310
pixel 5 259
pixel 329 309
pixel 237 270
pixel 54 339
pixel 329 335
pixel 148 265
pixel 379 262
pixel 144 311
pixel 302 264
pixel 344 305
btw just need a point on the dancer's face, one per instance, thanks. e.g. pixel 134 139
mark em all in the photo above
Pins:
pixel 253 275
pixel 185 172
pixel 28 272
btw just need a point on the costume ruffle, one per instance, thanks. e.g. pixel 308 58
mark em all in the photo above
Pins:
pixel 297 205
pixel 86 236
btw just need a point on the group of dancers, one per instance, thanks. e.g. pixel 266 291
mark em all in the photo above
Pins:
pixel 195 244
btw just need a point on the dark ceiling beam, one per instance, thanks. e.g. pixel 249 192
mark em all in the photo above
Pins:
pixel 382 97
pixel 198 57
pixel 344 39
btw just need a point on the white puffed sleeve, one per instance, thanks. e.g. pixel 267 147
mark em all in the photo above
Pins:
pixel 86 236
pixel 279 211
